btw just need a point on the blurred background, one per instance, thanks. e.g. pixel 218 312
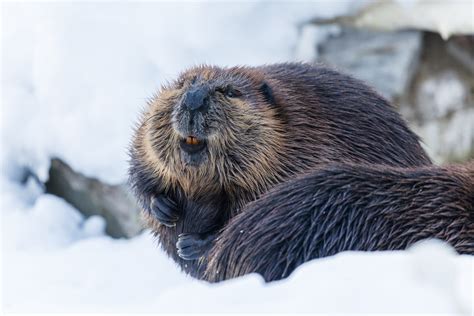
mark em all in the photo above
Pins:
pixel 75 77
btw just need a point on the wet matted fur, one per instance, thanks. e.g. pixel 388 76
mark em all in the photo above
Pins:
pixel 262 126
pixel 346 207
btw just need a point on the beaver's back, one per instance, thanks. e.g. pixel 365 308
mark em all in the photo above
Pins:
pixel 339 118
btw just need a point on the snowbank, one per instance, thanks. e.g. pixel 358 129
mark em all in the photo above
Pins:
pixel 428 279
pixel 56 261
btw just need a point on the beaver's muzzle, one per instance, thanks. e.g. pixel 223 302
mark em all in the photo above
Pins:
pixel 196 99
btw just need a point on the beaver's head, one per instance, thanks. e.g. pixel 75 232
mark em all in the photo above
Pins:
pixel 216 126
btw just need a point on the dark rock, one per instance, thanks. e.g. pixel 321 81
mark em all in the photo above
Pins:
pixel 92 197
pixel 462 49
pixel 440 102
pixel 386 61
pixel 429 79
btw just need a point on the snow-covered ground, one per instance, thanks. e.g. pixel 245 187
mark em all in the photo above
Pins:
pixel 74 77
pixel 55 261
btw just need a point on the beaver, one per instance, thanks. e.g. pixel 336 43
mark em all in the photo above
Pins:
pixel 217 138
pixel 346 207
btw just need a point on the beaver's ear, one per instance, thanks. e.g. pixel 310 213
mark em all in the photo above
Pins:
pixel 267 93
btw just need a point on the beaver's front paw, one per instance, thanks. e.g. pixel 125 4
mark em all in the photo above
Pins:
pixel 194 246
pixel 165 210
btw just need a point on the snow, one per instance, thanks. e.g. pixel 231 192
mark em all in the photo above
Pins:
pixel 447 128
pixel 74 77
pixel 441 95
pixel 425 280
pixel 445 17
pixel 56 261
pixel 82 72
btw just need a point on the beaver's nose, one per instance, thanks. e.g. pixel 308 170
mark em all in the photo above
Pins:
pixel 196 98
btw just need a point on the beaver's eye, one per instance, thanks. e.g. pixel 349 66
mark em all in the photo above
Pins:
pixel 229 92
pixel 232 93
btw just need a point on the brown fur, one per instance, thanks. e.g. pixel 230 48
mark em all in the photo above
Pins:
pixel 290 119
pixel 346 207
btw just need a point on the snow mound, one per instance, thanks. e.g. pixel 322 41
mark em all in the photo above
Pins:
pixel 56 261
